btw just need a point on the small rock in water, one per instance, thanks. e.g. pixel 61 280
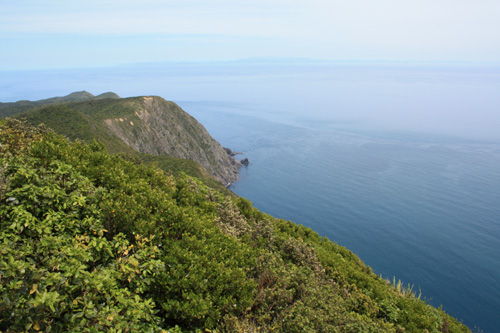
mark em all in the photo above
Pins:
pixel 229 151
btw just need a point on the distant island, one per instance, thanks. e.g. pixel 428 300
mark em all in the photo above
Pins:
pixel 114 215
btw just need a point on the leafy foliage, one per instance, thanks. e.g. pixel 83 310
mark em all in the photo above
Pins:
pixel 94 242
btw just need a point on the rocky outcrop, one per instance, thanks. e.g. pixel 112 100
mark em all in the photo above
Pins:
pixel 229 151
pixel 155 126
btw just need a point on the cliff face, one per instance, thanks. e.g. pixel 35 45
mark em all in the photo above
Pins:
pixel 159 127
pixel 148 125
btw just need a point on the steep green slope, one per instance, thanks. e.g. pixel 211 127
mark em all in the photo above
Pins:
pixel 148 125
pixel 92 242
pixel 76 125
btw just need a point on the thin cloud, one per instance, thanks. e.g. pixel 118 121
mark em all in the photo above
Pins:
pixel 356 29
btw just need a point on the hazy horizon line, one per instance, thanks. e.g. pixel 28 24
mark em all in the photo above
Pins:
pixel 262 60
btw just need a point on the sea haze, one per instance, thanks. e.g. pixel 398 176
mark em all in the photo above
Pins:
pixel 399 162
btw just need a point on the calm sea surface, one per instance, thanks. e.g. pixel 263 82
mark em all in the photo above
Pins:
pixel 400 163
pixel 425 212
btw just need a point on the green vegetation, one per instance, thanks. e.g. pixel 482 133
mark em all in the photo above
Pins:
pixel 75 125
pixel 96 242
pixel 12 109
pixel 81 116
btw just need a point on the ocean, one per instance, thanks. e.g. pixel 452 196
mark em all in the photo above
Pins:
pixel 398 162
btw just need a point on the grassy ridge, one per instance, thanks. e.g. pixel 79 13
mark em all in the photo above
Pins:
pixel 83 120
pixel 92 242
pixel 12 109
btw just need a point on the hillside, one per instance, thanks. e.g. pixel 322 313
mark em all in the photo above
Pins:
pixel 149 125
pixel 12 109
pixel 92 242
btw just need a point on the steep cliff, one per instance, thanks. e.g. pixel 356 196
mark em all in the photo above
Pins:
pixel 149 125
pixel 159 127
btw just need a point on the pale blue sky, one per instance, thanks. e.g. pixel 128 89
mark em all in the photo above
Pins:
pixel 61 33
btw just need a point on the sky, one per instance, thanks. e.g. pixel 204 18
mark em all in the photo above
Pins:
pixel 46 34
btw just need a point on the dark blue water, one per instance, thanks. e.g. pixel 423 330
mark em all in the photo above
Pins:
pixel 400 163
